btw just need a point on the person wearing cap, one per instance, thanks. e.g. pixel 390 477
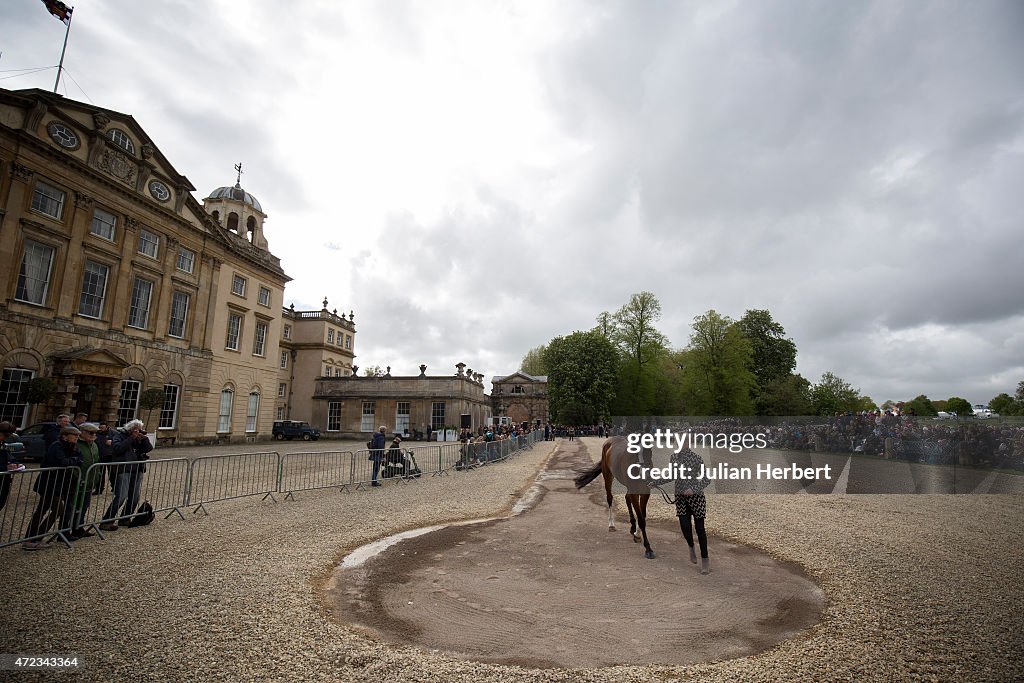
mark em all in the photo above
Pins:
pixel 7 468
pixel 90 453
pixel 131 446
pixel 55 486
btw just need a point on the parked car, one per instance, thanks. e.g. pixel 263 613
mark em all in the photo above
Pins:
pixel 295 429
pixel 15 447
pixel 32 438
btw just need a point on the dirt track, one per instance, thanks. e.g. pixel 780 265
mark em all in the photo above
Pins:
pixel 570 593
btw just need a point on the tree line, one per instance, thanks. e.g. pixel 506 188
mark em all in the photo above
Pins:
pixel 625 366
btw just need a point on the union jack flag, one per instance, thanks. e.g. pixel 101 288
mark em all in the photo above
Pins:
pixel 59 10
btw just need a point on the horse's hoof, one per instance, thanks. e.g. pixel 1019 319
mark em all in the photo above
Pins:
pixel 650 555
pixel 611 528
pixel 636 539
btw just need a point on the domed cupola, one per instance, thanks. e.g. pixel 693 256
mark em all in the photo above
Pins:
pixel 238 211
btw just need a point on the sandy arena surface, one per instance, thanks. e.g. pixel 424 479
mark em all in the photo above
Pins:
pixel 917 587
pixel 566 587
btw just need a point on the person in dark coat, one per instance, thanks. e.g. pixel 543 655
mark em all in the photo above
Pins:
pixel 131 446
pixel 104 442
pixel 7 468
pixel 377 453
pixel 56 489
pixel 52 433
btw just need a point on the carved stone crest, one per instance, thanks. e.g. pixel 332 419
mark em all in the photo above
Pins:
pixel 118 165
pixel 20 172
pixel 82 200
pixel 100 121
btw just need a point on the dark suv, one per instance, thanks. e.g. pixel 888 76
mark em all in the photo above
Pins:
pixel 293 429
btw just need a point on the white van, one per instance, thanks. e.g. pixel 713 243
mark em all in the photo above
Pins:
pixel 983 412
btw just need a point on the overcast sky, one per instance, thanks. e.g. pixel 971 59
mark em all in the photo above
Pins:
pixel 474 178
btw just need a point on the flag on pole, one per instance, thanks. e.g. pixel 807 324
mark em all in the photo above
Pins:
pixel 59 10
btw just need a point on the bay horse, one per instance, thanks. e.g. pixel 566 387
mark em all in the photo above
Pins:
pixel 614 462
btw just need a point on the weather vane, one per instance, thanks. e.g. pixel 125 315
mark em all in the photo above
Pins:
pixel 238 167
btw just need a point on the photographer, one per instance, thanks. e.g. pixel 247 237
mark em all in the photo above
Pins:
pixel 130 446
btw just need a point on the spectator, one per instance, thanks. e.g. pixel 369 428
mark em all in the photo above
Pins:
pixel 80 419
pixel 90 453
pixel 7 468
pixel 104 441
pixel 55 488
pixel 131 446
pixel 377 453
pixel 52 433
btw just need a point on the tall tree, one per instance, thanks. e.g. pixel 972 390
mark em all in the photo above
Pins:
pixel 605 324
pixel 533 362
pixel 581 377
pixel 789 395
pixel 642 347
pixel 715 366
pixel 832 395
pixel 774 356
pixel 921 405
pixel 1002 404
pixel 634 331
pixel 960 406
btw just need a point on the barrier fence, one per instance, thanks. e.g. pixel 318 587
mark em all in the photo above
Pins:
pixel 226 477
pixel 49 504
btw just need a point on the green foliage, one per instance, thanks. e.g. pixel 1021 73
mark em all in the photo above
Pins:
pixel 789 395
pixel 715 368
pixel 40 390
pixel 960 406
pixel 1002 404
pixel 641 386
pixel 1007 405
pixel 605 324
pixel 373 371
pixel 921 407
pixel 581 377
pixel 865 404
pixel 634 331
pixel 774 356
pixel 533 362
pixel 834 396
pixel 151 398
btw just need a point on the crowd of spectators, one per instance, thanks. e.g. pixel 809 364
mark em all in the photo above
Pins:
pixel 967 441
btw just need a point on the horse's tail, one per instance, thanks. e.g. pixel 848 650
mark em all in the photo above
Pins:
pixel 588 476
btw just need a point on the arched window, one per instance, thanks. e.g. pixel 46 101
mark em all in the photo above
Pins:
pixel 227 400
pixel 250 225
pixel 216 216
pixel 121 139
pixel 252 412
pixel 233 221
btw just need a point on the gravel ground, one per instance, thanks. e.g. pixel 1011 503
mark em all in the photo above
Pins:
pixel 918 588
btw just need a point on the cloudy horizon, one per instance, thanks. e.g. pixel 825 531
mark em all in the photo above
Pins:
pixel 473 179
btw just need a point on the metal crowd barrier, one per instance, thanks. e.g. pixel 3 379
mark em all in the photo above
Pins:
pixel 33 502
pixel 125 486
pixel 310 470
pixel 226 477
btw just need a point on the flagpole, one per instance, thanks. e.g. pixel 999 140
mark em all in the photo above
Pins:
pixel 62 51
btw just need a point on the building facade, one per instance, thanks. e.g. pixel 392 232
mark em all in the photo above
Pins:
pixel 521 397
pixel 412 405
pixel 117 280
pixel 314 344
